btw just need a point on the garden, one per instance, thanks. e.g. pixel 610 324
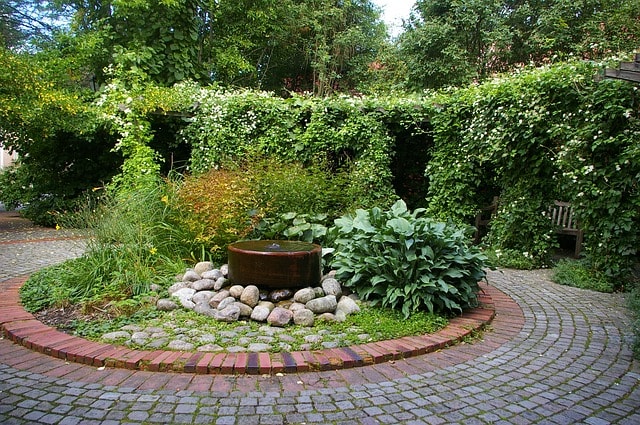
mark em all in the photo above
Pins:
pixel 391 184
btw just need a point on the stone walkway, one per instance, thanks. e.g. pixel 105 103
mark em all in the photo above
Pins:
pixel 554 355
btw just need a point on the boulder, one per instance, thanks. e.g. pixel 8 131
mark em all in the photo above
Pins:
pixel 321 305
pixel 202 297
pixel 304 295
pixel 280 317
pixel 221 282
pixel 165 304
pixel 245 310
pixel 202 267
pixel 190 276
pixel 226 302
pixel 260 313
pixel 304 317
pixel 213 274
pixel 177 286
pixel 236 291
pixel 215 300
pixel 347 306
pixel 250 296
pixel 203 284
pixel 228 314
pixel 331 286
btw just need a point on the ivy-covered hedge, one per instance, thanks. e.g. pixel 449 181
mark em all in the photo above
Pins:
pixel 544 134
pixel 342 132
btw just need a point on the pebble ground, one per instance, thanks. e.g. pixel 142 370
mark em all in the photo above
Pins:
pixel 553 355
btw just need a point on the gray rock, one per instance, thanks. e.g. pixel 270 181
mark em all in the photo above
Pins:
pixel 327 317
pixel 236 291
pixel 190 276
pixel 202 297
pixel 154 287
pixel 304 317
pixel 267 304
pixel 258 347
pixel 165 304
pixel 157 343
pixel 221 282
pixel 203 284
pixel 331 286
pixel 347 306
pixel 177 286
pixel 340 316
pixel 296 306
pixel 180 345
pixel 323 305
pixel 236 349
pixel 280 317
pixel 260 313
pixel 228 314
pixel 207 338
pixel 210 348
pixel 250 296
pixel 245 310
pixel 214 274
pixel 113 336
pixel 319 292
pixel 304 295
pixel 140 335
pixel 215 300
pixel 226 302
pixel 313 339
pixel 185 295
pixel 331 274
pixel 224 269
pixel 202 267
pixel 330 344
pixel 204 308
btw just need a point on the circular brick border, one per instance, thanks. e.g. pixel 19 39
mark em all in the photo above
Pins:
pixel 23 328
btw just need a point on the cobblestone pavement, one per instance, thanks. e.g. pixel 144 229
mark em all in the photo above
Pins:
pixel 561 357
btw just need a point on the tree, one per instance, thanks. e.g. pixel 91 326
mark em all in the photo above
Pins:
pixel 24 22
pixel 252 43
pixel 452 42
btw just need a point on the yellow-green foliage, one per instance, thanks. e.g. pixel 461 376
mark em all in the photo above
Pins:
pixel 220 207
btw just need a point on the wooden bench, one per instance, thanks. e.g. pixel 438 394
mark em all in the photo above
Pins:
pixel 560 213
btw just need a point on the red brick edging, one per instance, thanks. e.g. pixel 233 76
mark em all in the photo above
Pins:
pixel 23 328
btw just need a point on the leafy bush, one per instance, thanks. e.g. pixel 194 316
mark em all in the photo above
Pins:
pixel 578 274
pixel 403 260
pixel 218 208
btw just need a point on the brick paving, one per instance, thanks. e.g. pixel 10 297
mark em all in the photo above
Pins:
pixel 553 354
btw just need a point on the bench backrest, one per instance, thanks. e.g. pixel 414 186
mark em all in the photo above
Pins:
pixel 561 214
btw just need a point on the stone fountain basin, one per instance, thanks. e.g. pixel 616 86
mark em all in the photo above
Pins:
pixel 275 264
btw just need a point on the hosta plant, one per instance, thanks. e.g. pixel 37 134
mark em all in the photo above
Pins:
pixel 406 261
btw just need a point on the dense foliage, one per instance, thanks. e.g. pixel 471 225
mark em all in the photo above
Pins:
pixel 406 261
pixel 450 42
pixel 550 133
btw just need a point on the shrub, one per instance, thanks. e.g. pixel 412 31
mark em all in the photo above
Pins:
pixel 578 274
pixel 402 260
pixel 217 208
